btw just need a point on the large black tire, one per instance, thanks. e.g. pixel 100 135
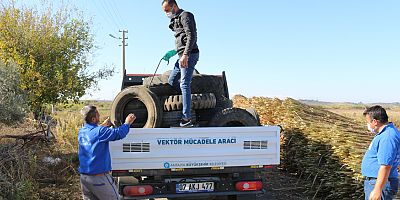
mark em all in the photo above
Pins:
pixel 156 80
pixel 201 83
pixel 204 116
pixel 140 101
pixel 223 102
pixel 161 79
pixel 172 118
pixel 163 89
pixel 199 101
pixel 256 116
pixel 231 117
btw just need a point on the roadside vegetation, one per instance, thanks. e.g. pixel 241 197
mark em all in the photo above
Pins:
pixel 323 144
pixel 321 148
pixel 45 56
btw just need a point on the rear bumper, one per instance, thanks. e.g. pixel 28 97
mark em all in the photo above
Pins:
pixel 209 194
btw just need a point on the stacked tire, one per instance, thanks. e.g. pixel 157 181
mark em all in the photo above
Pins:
pixel 158 104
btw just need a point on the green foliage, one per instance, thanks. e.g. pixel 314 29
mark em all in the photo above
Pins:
pixel 18 167
pixel 12 98
pixel 51 47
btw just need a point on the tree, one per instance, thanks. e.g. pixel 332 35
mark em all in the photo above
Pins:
pixel 12 98
pixel 51 48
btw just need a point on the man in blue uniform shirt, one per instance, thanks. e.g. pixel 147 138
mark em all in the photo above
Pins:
pixel 94 154
pixel 379 165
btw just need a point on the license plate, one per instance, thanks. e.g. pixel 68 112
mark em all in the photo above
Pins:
pixel 194 187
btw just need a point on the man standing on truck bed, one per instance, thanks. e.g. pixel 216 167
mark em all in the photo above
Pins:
pixel 94 155
pixel 184 26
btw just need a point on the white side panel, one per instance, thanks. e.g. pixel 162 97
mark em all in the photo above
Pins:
pixel 197 147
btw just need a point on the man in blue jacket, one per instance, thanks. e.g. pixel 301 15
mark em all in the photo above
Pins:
pixel 94 155
pixel 380 162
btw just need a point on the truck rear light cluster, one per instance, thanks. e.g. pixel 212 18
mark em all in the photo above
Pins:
pixel 248 186
pixel 138 190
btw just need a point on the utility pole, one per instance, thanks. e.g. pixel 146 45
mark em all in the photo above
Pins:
pixel 123 53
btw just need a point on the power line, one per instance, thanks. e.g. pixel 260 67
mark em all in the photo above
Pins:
pixel 114 9
pixel 107 19
pixel 107 11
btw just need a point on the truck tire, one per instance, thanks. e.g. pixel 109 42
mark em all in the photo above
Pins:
pixel 223 102
pixel 140 101
pixel 163 89
pixel 160 79
pixel 231 117
pixel 203 116
pixel 172 118
pixel 201 83
pixel 199 101
pixel 256 116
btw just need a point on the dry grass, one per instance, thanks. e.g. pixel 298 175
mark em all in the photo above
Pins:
pixel 394 114
pixel 24 173
pixel 321 145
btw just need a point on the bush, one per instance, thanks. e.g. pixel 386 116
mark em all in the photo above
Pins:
pixel 19 165
pixel 12 98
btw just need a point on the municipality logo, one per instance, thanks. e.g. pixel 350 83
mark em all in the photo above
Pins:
pixel 167 165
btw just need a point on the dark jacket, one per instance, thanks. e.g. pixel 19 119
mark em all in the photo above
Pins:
pixel 184 26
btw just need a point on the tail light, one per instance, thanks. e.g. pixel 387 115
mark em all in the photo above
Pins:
pixel 138 190
pixel 248 185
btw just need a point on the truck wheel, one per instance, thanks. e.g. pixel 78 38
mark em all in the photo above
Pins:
pixel 172 118
pixel 140 101
pixel 199 101
pixel 231 117
pixel 256 116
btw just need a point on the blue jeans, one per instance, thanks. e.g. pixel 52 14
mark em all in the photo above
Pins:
pixel 388 192
pixel 180 79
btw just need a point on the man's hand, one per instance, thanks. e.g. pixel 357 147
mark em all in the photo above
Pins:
pixel 183 62
pixel 375 194
pixel 130 119
pixel 106 123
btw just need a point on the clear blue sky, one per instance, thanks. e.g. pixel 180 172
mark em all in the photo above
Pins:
pixel 341 50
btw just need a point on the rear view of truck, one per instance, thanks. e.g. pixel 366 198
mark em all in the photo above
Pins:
pixel 194 162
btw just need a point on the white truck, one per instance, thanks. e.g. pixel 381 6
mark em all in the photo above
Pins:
pixel 194 162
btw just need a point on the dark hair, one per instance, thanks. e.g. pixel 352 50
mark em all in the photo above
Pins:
pixel 88 112
pixel 377 113
pixel 170 2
